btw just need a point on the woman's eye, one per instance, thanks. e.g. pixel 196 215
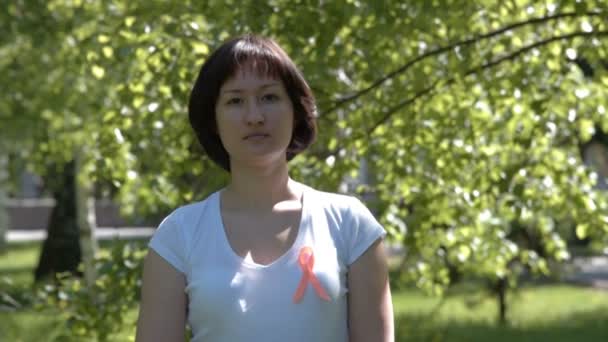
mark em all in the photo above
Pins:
pixel 270 98
pixel 234 101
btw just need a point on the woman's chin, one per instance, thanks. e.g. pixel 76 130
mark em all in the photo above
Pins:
pixel 266 160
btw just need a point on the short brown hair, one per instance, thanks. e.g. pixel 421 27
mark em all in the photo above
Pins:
pixel 267 58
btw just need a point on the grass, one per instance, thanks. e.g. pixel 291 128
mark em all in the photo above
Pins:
pixel 18 263
pixel 541 313
pixel 23 325
pixel 28 324
pixel 555 312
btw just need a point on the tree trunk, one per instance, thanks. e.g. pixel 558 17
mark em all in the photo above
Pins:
pixel 3 199
pixel 70 232
pixel 61 250
pixel 85 208
pixel 501 293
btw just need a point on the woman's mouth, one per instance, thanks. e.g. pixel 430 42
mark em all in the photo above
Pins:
pixel 256 136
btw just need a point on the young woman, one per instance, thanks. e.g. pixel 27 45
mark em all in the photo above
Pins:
pixel 266 258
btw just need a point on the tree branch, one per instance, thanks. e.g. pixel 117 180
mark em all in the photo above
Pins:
pixel 449 47
pixel 403 104
pixel 471 71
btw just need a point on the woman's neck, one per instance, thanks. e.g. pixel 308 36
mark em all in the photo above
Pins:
pixel 260 189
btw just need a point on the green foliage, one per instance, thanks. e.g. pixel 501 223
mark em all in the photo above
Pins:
pixel 100 311
pixel 13 296
pixel 470 115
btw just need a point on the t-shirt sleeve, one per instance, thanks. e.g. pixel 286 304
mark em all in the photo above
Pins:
pixel 362 230
pixel 169 242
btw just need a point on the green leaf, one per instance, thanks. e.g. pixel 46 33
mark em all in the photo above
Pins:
pixel 581 231
pixel 98 71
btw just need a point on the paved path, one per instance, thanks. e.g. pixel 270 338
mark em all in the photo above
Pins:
pixel 103 233
pixel 588 271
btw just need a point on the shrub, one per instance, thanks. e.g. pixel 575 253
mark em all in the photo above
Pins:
pixel 99 311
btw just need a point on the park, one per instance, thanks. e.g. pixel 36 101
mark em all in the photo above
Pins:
pixel 476 133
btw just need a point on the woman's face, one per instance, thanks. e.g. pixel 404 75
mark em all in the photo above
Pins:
pixel 255 119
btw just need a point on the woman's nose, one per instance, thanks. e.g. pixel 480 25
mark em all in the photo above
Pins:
pixel 254 114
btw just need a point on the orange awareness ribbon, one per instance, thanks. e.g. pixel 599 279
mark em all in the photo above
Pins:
pixel 307 261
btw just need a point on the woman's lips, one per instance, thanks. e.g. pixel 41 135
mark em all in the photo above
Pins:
pixel 256 136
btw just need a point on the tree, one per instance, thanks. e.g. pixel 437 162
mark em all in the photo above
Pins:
pixel 3 197
pixel 27 110
pixel 61 252
pixel 469 114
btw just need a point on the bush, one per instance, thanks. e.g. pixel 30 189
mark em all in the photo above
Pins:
pixel 99 311
pixel 13 296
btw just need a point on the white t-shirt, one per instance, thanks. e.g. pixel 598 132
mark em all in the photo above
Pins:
pixel 232 299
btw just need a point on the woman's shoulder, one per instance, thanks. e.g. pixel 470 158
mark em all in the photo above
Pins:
pixel 188 212
pixel 339 203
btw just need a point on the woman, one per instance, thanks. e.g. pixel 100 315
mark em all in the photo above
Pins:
pixel 266 258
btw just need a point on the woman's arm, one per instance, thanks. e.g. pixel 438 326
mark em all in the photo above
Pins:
pixel 162 311
pixel 370 307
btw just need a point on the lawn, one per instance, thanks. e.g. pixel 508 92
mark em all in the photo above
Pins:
pixel 27 324
pixel 541 313
pixel 556 312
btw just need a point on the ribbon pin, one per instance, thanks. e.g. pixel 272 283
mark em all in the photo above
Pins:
pixel 306 260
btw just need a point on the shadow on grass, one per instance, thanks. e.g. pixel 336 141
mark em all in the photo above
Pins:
pixel 21 246
pixel 17 270
pixel 582 326
pixel 30 326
